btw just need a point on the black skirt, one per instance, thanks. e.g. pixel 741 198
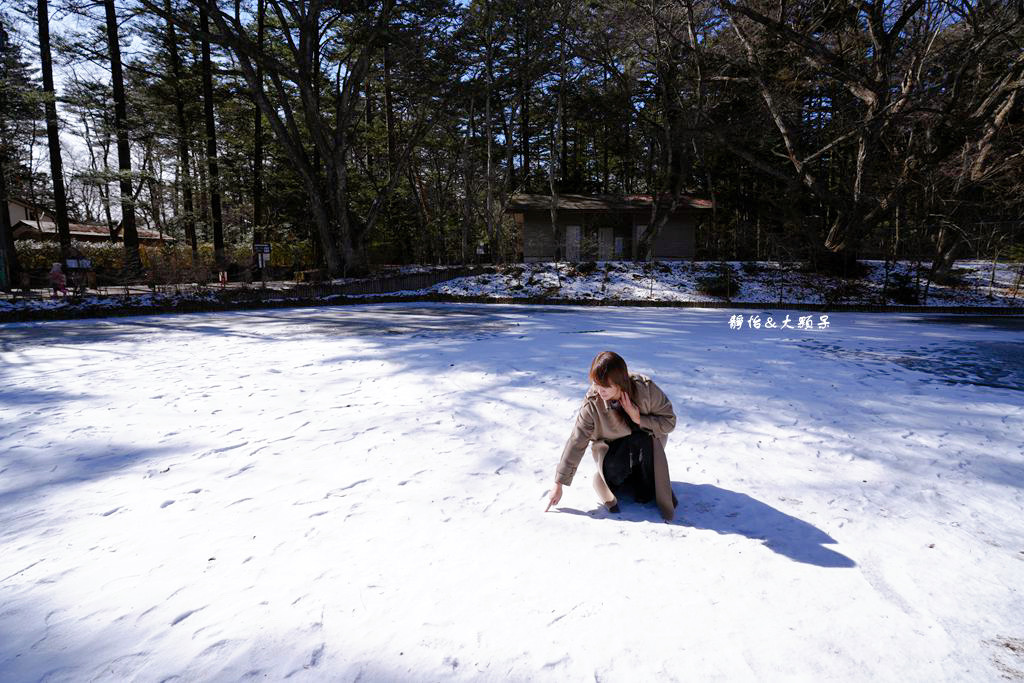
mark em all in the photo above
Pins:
pixel 629 466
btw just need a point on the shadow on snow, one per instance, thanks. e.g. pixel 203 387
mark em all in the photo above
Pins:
pixel 712 508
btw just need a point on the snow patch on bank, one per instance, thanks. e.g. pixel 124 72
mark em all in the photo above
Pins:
pixel 978 283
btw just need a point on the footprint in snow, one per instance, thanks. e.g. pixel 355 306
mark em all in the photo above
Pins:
pixel 241 471
pixel 215 649
pixel 337 491
pixel 185 615
pixel 315 657
pixel 229 448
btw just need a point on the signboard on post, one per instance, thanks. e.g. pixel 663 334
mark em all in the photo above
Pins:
pixel 262 253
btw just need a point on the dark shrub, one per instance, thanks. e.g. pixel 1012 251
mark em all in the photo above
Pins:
pixel 845 292
pixel 901 289
pixel 721 281
pixel 585 268
pixel 838 265
pixel 954 278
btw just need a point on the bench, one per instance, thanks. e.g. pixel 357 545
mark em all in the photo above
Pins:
pixel 80 276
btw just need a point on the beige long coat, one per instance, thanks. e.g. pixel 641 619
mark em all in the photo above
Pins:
pixel 597 424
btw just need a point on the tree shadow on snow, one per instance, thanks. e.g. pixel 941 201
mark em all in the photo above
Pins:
pixel 703 506
pixel 36 472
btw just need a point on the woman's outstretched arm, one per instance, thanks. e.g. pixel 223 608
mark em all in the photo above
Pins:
pixel 572 454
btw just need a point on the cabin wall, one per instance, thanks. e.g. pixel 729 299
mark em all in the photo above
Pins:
pixel 603 237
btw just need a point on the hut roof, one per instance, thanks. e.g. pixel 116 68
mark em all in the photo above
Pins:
pixel 577 202
pixel 49 229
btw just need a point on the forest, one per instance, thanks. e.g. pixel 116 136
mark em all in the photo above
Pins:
pixel 353 134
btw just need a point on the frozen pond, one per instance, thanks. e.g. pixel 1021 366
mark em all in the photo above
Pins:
pixel 358 492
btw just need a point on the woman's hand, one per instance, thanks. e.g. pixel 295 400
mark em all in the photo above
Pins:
pixel 629 407
pixel 556 495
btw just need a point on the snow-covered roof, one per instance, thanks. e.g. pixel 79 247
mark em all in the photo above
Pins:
pixel 49 229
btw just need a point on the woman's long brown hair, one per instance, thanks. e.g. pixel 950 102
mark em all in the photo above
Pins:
pixel 608 369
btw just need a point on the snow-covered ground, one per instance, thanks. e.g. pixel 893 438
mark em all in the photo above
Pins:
pixel 358 493
pixel 979 283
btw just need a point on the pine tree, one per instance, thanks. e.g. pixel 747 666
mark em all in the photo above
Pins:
pixel 129 233
pixel 18 105
pixel 52 132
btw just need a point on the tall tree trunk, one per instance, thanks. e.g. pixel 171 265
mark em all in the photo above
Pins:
pixel 9 266
pixel 183 155
pixel 322 185
pixel 467 190
pixel 948 246
pixel 389 122
pixel 389 110
pixel 155 194
pixel 113 230
pixel 102 188
pixel 556 164
pixel 257 164
pixel 416 187
pixel 211 140
pixel 671 188
pixel 368 118
pixel 604 137
pixel 491 237
pixel 203 200
pixel 132 261
pixel 52 135
pixel 524 100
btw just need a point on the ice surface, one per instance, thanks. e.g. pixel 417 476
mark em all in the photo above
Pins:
pixel 358 492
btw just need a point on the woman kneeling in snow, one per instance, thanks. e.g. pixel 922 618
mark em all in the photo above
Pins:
pixel 627 418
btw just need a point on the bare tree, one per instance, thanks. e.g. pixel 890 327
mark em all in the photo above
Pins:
pixel 915 84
